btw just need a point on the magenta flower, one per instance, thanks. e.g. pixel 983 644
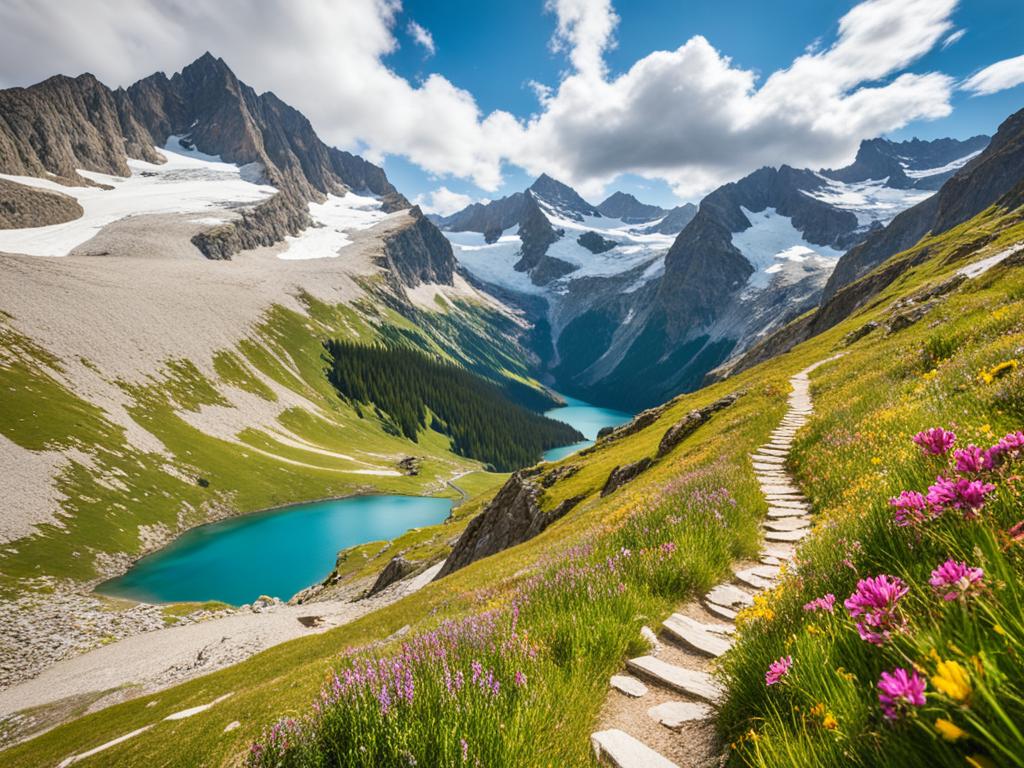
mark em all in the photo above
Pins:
pixel 1011 446
pixel 969 460
pixel 953 579
pixel 899 691
pixel 520 679
pixel 825 603
pixel 935 441
pixel 962 494
pixel 911 508
pixel 874 603
pixel 777 670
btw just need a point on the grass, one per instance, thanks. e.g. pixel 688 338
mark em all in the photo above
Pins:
pixel 553 608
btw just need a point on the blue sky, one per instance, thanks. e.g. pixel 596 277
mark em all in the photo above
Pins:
pixel 494 50
pixel 666 99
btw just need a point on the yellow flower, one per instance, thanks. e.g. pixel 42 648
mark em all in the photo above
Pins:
pixel 952 679
pixel 998 628
pixel 829 721
pixel 948 730
pixel 875 460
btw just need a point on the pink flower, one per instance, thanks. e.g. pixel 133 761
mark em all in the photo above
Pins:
pixel 899 691
pixel 777 670
pixel 911 508
pixel 968 496
pixel 969 460
pixel 520 679
pixel 874 603
pixel 935 441
pixel 825 603
pixel 1011 446
pixel 953 579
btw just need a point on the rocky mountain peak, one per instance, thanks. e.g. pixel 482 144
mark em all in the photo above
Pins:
pixel 624 206
pixel 562 198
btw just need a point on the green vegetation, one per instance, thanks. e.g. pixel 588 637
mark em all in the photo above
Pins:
pixel 481 421
pixel 558 603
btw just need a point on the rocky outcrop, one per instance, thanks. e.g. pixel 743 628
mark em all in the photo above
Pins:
pixel 419 253
pixel 629 210
pixel 687 425
pixel 562 198
pixel 22 206
pixel 512 517
pixel 265 224
pixel 595 243
pixel 559 473
pixel 880 159
pixel 396 570
pixel 621 475
pixel 675 221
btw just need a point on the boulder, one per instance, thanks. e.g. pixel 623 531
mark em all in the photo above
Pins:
pixel 623 474
pixel 396 570
pixel 689 423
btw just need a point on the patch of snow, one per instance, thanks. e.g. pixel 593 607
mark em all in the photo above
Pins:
pixel 775 248
pixel 950 166
pixel 982 266
pixel 186 183
pixel 654 270
pixel 493 263
pixel 333 221
pixel 869 201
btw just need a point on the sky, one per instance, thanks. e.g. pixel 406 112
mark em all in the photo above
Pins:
pixel 470 100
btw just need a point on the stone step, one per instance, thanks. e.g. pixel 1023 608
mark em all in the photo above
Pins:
pixel 617 748
pixel 700 685
pixel 792 504
pixel 760 466
pixel 706 626
pixel 723 613
pixel 774 497
pixel 781 551
pixel 672 714
pixel 628 685
pixel 696 639
pixel 779 489
pixel 728 596
pixel 773 452
pixel 786 511
pixel 753 581
pixel 786 535
pixel 770 560
pixel 766 459
pixel 787 524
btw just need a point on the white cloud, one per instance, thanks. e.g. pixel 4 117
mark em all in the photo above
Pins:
pixel 422 37
pixel 996 77
pixel 442 201
pixel 690 116
pixel 953 37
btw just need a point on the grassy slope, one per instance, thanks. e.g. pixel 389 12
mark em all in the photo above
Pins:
pixel 284 679
pixel 123 488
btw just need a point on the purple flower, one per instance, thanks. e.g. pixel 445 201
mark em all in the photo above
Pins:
pixel 465 749
pixel 935 441
pixel 777 670
pixel 953 579
pixel 874 603
pixel 962 494
pixel 969 460
pixel 911 508
pixel 825 603
pixel 1010 446
pixel 899 691
pixel 520 679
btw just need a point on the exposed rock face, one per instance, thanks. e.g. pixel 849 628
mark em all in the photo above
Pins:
pixel 976 186
pixel 890 160
pixel 512 517
pixel 63 124
pixel 675 220
pixel 22 206
pixel 595 243
pixel 396 570
pixel 558 474
pixel 419 253
pixel 629 210
pixel 563 198
pixel 687 425
pixel 623 474
pixel 489 218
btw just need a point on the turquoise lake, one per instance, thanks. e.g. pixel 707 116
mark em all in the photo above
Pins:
pixel 276 553
pixel 588 419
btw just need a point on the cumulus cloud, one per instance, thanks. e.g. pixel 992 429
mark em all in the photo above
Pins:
pixel 442 201
pixel 996 77
pixel 690 116
pixel 422 37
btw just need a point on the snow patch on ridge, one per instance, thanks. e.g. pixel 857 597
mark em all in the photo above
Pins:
pixel 950 166
pixel 869 201
pixel 778 251
pixel 333 220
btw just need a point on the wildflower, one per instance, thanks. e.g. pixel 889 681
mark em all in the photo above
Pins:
pixel 953 579
pixel 951 678
pixel 899 691
pixel 825 603
pixel 829 721
pixel 935 441
pixel 962 494
pixel 949 730
pixel 520 679
pixel 777 670
pixel 1011 446
pixel 874 603
pixel 987 376
pixel 969 460
pixel 911 508
pixel 465 749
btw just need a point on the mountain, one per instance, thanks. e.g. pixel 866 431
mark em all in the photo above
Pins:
pixel 913 164
pixel 65 124
pixel 629 210
pixel 674 220
pixel 758 253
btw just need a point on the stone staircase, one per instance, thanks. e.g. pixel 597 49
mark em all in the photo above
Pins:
pixel 660 713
